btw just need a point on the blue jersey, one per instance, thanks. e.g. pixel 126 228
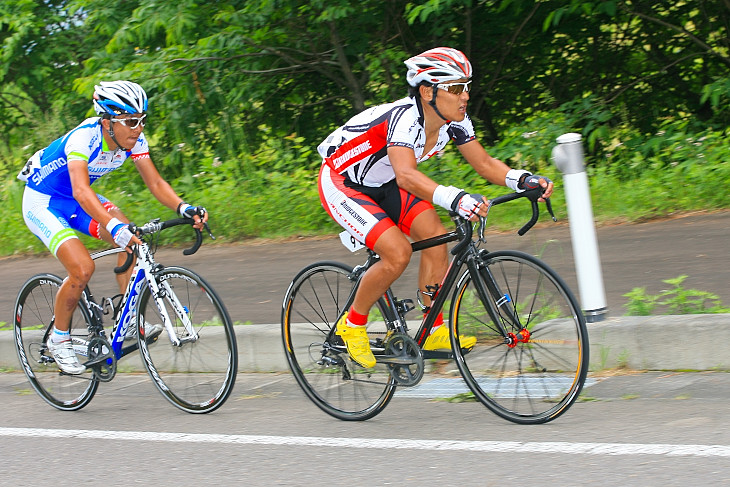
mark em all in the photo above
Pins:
pixel 47 171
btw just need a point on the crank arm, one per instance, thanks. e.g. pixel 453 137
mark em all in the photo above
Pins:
pixel 438 354
pixel 394 360
pixel 95 361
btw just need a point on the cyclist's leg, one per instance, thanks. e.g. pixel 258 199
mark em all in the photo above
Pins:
pixel 434 260
pixel 84 223
pixel 355 208
pixel 75 258
pixel 372 224
pixel 49 218
pixel 433 267
pixel 395 253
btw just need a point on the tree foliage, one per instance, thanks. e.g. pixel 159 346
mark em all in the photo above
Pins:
pixel 233 77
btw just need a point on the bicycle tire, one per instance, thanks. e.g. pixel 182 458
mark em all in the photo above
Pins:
pixel 534 380
pixel 314 301
pixel 196 376
pixel 33 321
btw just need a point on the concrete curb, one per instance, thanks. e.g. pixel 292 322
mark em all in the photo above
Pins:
pixel 667 342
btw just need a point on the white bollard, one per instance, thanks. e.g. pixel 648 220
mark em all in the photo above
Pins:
pixel 568 157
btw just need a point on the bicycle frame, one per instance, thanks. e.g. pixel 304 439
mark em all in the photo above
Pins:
pixel 143 274
pixel 464 253
pixel 514 330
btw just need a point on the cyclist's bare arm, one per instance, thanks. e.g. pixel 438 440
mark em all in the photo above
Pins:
pixel 161 189
pixel 78 171
pixel 490 168
pixel 407 175
pixel 403 161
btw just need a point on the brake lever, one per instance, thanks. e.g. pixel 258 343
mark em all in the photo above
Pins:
pixel 207 229
pixel 549 207
pixel 483 223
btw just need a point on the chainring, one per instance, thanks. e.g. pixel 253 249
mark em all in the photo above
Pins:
pixel 405 350
pixel 102 361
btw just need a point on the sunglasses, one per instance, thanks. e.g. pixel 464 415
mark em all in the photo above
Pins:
pixel 455 88
pixel 131 122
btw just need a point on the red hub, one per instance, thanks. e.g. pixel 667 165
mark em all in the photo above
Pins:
pixel 522 337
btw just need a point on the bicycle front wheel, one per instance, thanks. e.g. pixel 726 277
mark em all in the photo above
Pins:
pixel 197 374
pixel 33 319
pixel 315 300
pixel 531 356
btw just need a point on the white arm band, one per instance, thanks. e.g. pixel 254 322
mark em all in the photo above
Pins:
pixel 112 223
pixel 513 177
pixel 444 196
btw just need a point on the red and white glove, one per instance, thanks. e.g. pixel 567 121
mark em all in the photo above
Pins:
pixel 458 200
pixel 469 205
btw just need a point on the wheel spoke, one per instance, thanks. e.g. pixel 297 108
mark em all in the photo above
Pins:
pixel 198 375
pixel 331 380
pixel 33 317
pixel 536 374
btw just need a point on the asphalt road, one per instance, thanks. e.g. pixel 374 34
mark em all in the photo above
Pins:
pixel 630 429
pixel 253 277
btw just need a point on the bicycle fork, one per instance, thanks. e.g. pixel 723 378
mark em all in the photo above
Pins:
pixel 499 304
pixel 161 291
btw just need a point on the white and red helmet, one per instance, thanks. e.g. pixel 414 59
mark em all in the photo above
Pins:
pixel 438 65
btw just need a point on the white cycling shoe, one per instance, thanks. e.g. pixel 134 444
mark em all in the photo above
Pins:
pixel 65 357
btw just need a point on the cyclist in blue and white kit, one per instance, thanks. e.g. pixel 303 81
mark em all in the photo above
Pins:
pixel 370 184
pixel 58 199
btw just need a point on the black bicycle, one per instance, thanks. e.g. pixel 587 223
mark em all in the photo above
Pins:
pixel 530 359
pixel 193 361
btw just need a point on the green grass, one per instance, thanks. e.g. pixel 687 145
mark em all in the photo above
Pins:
pixel 676 300
pixel 632 177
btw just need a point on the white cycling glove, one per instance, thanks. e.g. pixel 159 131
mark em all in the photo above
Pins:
pixel 469 205
pixel 120 232
pixel 455 199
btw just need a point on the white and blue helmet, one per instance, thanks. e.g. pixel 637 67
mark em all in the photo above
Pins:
pixel 119 97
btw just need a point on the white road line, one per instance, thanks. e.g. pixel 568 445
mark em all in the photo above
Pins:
pixel 392 443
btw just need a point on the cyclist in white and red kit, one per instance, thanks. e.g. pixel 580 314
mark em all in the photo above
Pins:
pixel 370 184
pixel 58 200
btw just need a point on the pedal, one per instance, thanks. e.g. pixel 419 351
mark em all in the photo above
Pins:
pixel 102 361
pixel 404 305
pixel 431 292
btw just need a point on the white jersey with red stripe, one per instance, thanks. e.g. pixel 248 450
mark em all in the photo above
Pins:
pixel 359 149
pixel 47 171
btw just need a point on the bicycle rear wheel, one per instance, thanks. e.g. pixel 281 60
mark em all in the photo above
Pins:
pixel 536 372
pixel 197 375
pixel 322 367
pixel 33 319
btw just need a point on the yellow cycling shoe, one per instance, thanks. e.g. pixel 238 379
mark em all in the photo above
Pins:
pixel 357 343
pixel 439 340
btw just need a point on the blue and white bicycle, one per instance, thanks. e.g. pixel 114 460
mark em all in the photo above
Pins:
pixel 192 361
